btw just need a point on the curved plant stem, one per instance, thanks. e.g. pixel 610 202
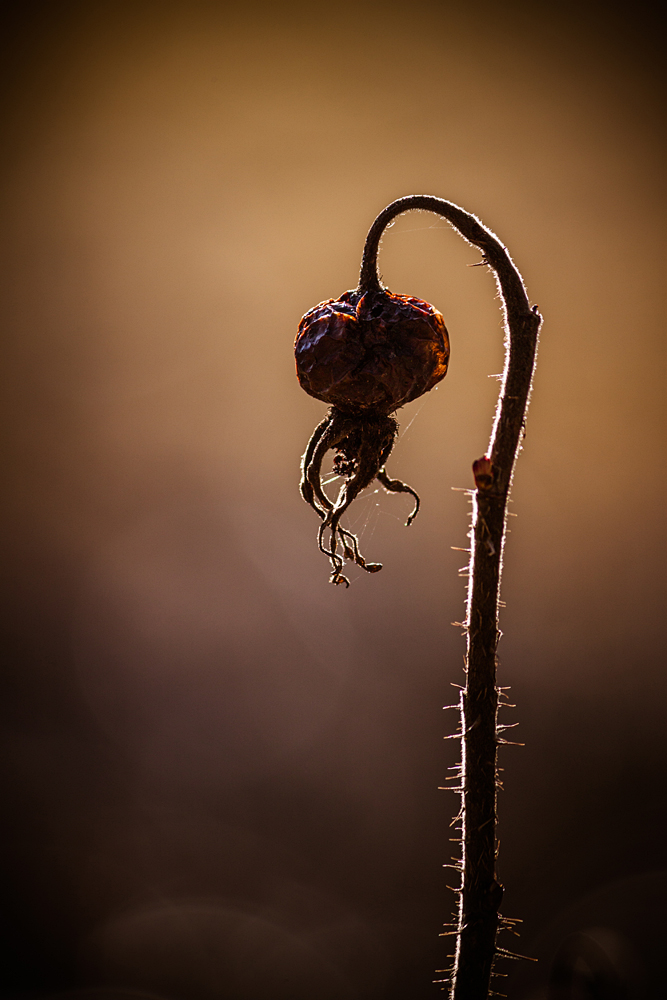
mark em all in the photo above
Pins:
pixel 480 893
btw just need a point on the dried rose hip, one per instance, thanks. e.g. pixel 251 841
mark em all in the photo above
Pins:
pixel 371 352
pixel 366 354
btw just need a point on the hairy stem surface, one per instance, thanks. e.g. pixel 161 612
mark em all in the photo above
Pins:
pixel 480 893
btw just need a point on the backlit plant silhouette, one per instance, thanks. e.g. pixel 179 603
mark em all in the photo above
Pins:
pixel 366 354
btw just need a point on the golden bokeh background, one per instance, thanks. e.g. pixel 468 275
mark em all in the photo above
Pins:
pixel 220 773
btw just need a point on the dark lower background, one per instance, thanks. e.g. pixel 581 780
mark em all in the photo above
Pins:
pixel 219 774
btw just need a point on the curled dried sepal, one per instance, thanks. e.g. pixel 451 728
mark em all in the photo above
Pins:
pixel 361 448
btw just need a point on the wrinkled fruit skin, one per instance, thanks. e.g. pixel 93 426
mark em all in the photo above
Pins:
pixel 371 352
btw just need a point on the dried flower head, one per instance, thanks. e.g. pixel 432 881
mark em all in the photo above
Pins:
pixel 366 354
pixel 372 351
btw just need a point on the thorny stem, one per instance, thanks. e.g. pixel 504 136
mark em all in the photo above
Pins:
pixel 480 893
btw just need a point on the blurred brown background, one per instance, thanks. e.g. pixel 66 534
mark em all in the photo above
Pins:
pixel 219 773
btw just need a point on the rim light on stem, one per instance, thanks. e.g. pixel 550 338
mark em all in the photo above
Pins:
pixel 480 894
